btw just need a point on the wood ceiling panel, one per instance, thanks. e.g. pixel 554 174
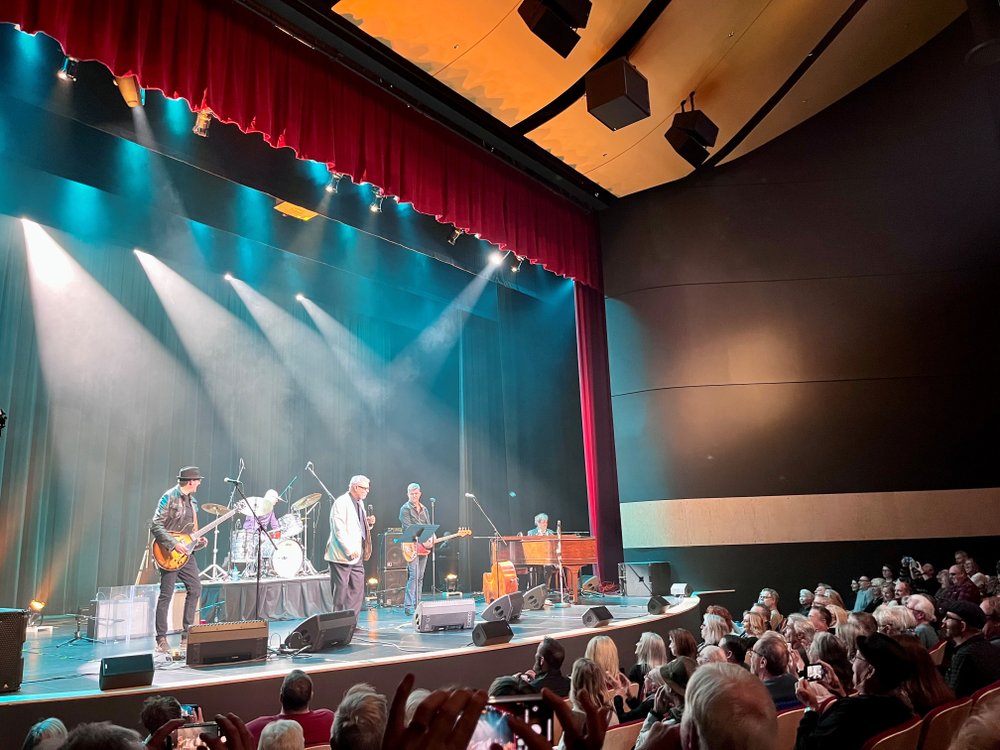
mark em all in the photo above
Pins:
pixel 882 34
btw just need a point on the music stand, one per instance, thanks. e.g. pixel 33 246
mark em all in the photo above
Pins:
pixel 419 532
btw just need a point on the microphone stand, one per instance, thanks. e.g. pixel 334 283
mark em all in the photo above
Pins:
pixel 309 468
pixel 260 531
pixel 215 572
pixel 494 542
pixel 562 594
pixel 434 580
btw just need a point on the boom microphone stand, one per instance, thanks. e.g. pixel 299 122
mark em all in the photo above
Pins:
pixel 434 579
pixel 216 572
pixel 261 532
pixel 562 594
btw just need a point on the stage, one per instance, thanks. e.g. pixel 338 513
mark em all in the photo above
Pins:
pixel 62 680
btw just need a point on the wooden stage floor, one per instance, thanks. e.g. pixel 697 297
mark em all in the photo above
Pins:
pixel 62 680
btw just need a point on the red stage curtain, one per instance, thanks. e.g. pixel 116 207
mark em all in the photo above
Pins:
pixel 598 430
pixel 217 54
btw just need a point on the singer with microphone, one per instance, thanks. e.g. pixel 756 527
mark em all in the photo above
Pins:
pixel 414 512
pixel 177 511
pixel 350 535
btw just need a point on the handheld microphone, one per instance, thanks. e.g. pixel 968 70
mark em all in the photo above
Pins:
pixel 469 494
pixel 371 511
pixel 433 500
pixel 232 481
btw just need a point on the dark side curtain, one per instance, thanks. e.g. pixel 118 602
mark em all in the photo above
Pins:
pixel 217 54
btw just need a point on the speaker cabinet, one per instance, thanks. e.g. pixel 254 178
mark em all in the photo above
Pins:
pixel 492 633
pixel 686 147
pixel 597 617
pixel 535 598
pixel 646 579
pixel 322 632
pixel 617 94
pixel 13 629
pixel 392 587
pixel 508 607
pixel 135 670
pixel 392 553
pixel 227 643
pixel 546 24
pixel 657 605
pixel 450 614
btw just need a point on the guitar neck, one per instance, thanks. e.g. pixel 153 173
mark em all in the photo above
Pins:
pixel 205 529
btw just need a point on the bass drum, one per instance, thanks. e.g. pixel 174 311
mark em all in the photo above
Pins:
pixel 287 559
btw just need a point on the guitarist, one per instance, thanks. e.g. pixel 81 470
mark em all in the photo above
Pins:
pixel 414 512
pixel 178 511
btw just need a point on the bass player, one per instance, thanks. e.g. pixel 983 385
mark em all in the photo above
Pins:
pixel 177 511
pixel 414 512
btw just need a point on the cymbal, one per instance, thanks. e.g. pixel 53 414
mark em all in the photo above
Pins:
pixel 214 508
pixel 304 503
pixel 260 506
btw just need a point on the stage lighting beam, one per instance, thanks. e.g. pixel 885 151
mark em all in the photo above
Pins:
pixel 69 69
pixel 376 205
pixel 133 94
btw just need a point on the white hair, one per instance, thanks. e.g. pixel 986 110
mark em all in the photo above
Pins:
pixel 541 517
pixel 727 708
pixel 283 734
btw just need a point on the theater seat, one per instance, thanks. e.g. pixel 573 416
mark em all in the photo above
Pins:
pixel 901 737
pixel 788 727
pixel 941 724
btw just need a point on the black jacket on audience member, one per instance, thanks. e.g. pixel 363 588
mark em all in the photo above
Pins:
pixel 850 722
pixel 554 680
pixel 974 664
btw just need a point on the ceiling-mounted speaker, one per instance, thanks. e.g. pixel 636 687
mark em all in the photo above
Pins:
pixel 984 15
pixel 617 94
pixel 697 125
pixel 574 13
pixel 549 20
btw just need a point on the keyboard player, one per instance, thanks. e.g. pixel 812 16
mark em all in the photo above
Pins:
pixel 538 574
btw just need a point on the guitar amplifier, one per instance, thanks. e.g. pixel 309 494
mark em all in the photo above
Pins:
pixel 452 614
pixel 227 643
pixel 392 553
pixel 392 587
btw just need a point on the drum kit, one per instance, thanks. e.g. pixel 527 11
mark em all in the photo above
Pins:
pixel 282 555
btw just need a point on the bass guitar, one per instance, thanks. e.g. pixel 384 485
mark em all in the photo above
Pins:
pixel 412 549
pixel 175 559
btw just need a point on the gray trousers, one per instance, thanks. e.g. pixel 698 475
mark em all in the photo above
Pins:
pixel 347 582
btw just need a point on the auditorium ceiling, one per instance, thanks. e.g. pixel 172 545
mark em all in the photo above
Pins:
pixel 758 67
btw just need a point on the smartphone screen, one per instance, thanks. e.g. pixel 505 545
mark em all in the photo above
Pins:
pixel 188 737
pixel 530 709
pixel 189 710
pixel 814 672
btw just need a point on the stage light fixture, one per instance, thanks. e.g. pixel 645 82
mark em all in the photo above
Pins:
pixel 520 260
pixel 334 184
pixel 496 258
pixel 202 122
pixel 133 94
pixel 68 70
pixel 228 277
pixel 299 297
pixel 455 234
pixel 35 606
pixel 451 582
pixel 692 134
pixel 376 205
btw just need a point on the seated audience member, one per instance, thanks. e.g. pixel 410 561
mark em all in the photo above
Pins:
pixel 820 618
pixel 888 573
pixel 49 731
pixel 682 643
pixel 975 663
pixel 650 653
pixel 102 736
pixel 828 648
pixel 589 676
pixel 725 614
pixel 961 588
pixel 157 710
pixel 708 654
pixel 927 582
pixel 508 685
pixel 412 701
pixel 848 634
pixel 961 556
pixel 864 621
pixel 754 626
pixel 602 651
pixel 764 612
pixel 769 662
pixel 799 632
pixel 546 672
pixel 832 598
pixel 971 567
pixel 805 601
pixel 865 594
pixel 295 694
pixel 981 581
pixel 888 592
pixel 735 649
pixel 991 608
pixel 981 731
pixel 902 591
pixel 926 689
pixel 283 734
pixel 727 709
pixel 944 581
pixel 893 619
pixel 769 599
pixel 668 701
pixel 713 630
pixel 360 720
pixel 921 607
pixel 880 667
pixel 838 615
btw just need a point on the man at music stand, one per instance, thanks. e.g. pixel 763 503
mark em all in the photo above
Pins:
pixel 415 520
pixel 177 511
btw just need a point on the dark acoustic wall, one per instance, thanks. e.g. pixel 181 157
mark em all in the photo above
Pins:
pixel 807 339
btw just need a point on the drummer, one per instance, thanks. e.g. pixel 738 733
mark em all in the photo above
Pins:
pixel 264 508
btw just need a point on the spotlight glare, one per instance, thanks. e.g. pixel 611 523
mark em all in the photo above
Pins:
pixel 496 258
pixel 228 277
pixel 373 581
pixel 299 297
pixel 376 205
pixel 68 70
pixel 453 238
pixel 202 122
pixel 36 606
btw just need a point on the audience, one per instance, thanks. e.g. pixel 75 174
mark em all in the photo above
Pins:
pixel 709 654
pixel 805 601
pixel 48 732
pixel 589 677
pixel 828 649
pixel 975 663
pixel 713 630
pixel 650 653
pixel 294 697
pixel 725 614
pixel 735 649
pixel 508 685
pixel 604 653
pixel 981 731
pixel 102 736
pixel 921 606
pixel 727 709
pixel 682 643
pixel 754 626
pixel 769 598
pixel 360 720
pixel 157 710
pixel 820 618
pixel 991 608
pixel 547 669
pixel 926 689
pixel 865 594
pixel 961 588
pixel 865 622
pixel 893 619
pixel 283 734
pixel 769 662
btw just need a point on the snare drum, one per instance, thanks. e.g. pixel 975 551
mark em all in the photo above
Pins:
pixel 241 546
pixel 287 558
pixel 291 524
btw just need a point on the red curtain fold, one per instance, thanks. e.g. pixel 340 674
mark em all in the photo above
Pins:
pixel 217 54
pixel 598 430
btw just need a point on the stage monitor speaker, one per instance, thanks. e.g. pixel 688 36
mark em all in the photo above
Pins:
pixel 507 607
pixel 392 553
pixel 597 617
pixel 680 590
pixel 450 614
pixel 546 24
pixel 13 630
pixel 535 598
pixel 135 670
pixel 323 632
pixel 227 643
pixel 492 633
pixel 617 94
pixel 392 587
pixel 657 605
pixel 591 584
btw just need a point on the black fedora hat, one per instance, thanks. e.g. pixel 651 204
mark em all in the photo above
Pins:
pixel 189 473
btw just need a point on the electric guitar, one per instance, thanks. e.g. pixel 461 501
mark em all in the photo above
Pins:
pixel 412 549
pixel 175 559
